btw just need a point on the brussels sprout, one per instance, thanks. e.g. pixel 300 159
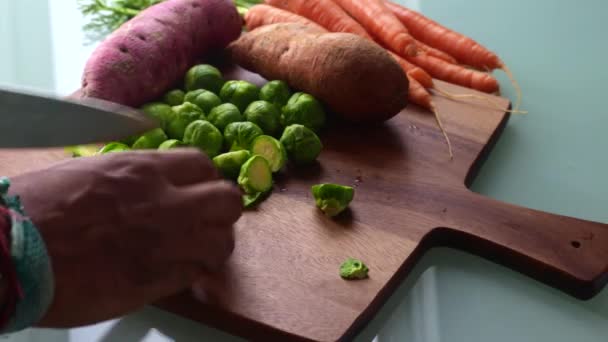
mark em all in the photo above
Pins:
pixel 332 199
pixel 82 150
pixel 150 140
pixel 266 115
pixel 174 98
pixel 302 144
pixel 272 150
pixel 114 147
pixel 276 92
pixel 223 115
pixel 184 115
pixel 206 137
pixel 240 135
pixel 160 111
pixel 305 110
pixel 204 99
pixel 255 176
pixel 204 76
pixel 192 95
pixel 353 269
pixel 171 143
pixel 239 93
pixel 230 163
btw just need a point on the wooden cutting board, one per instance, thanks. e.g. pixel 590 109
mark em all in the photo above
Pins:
pixel 282 282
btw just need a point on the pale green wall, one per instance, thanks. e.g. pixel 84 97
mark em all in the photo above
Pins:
pixel 26 57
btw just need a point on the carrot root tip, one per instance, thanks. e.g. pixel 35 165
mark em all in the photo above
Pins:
pixel 495 106
pixel 443 131
pixel 514 83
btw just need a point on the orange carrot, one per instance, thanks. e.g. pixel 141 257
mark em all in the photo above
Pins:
pixel 424 79
pixel 380 22
pixel 324 12
pixel 418 94
pixel 340 21
pixel 329 15
pixel 260 15
pixel 456 74
pixel 463 48
pixel 431 51
pixel 414 71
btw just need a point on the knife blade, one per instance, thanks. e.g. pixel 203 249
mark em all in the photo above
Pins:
pixel 31 120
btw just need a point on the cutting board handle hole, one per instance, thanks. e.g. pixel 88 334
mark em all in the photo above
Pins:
pixel 575 244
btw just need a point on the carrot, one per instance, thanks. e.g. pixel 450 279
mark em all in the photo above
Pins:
pixel 260 15
pixel 318 11
pixel 463 48
pixel 324 12
pixel 380 22
pixel 426 30
pixel 418 95
pixel 331 16
pixel 424 79
pixel 456 74
pixel 431 51
pixel 414 71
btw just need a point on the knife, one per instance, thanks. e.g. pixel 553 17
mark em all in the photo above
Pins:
pixel 31 120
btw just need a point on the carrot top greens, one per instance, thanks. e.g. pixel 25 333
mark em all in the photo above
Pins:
pixel 105 16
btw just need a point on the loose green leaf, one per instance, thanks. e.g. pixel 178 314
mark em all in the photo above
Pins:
pixel 353 269
pixel 332 199
pixel 114 147
pixel 82 150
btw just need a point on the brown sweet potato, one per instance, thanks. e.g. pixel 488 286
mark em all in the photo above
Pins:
pixel 356 78
pixel 150 53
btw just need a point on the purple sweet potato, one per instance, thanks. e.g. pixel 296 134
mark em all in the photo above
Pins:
pixel 152 52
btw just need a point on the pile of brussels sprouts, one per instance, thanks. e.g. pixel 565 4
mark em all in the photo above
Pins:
pixel 250 132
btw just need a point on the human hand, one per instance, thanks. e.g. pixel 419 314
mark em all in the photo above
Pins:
pixel 125 229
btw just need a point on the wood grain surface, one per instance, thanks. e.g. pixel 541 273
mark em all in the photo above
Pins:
pixel 282 282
